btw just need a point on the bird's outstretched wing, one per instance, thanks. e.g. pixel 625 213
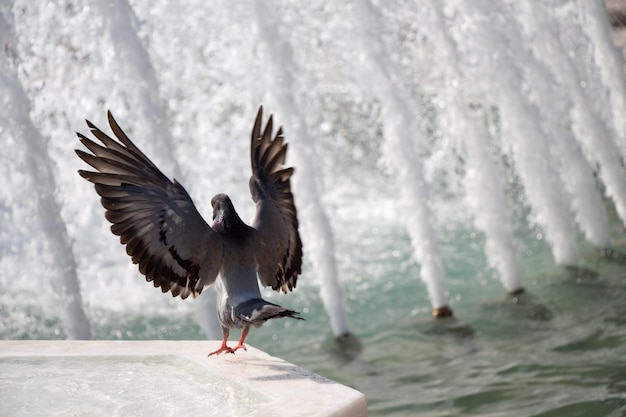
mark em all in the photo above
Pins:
pixel 279 253
pixel 153 216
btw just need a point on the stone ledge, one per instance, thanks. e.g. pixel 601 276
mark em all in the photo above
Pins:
pixel 283 389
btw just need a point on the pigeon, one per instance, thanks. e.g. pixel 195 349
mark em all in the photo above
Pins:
pixel 175 247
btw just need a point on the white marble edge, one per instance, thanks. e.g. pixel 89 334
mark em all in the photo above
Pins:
pixel 290 390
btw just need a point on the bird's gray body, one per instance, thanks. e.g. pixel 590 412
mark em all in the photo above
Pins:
pixel 179 252
pixel 238 293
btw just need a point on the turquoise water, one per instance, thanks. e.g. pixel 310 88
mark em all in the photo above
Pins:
pixel 559 351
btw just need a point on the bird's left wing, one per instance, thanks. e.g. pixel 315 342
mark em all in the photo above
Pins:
pixel 154 217
pixel 279 253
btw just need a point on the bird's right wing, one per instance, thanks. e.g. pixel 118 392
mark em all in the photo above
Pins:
pixel 279 253
pixel 154 217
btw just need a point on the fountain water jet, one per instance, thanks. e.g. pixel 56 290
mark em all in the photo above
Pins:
pixel 610 65
pixel 483 179
pixel 136 68
pixel 560 77
pixel 400 156
pixel 523 133
pixel 17 128
pixel 313 217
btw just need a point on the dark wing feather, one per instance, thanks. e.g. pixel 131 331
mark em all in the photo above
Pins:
pixel 154 217
pixel 279 253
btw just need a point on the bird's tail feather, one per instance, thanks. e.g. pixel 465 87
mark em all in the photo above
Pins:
pixel 257 311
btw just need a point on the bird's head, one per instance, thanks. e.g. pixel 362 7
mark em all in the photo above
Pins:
pixel 225 218
pixel 221 206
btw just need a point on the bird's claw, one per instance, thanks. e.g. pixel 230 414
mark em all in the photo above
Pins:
pixel 228 349
pixel 222 350
pixel 239 346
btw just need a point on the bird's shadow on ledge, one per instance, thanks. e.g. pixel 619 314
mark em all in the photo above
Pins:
pixel 286 372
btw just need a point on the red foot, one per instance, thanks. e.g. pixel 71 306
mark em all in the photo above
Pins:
pixel 239 346
pixel 222 349
pixel 225 348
